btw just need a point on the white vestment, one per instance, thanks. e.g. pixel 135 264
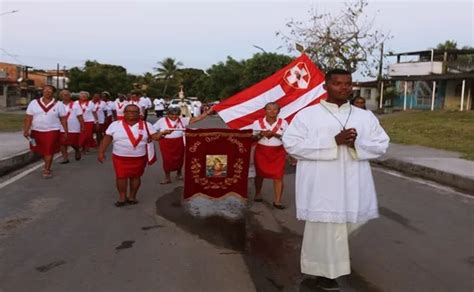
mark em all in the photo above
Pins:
pixel 334 183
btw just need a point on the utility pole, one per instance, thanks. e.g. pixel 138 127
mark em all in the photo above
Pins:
pixel 57 78
pixel 380 77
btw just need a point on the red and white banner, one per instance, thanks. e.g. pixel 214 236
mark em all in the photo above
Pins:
pixel 294 87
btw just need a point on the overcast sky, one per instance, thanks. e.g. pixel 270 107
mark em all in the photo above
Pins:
pixel 138 34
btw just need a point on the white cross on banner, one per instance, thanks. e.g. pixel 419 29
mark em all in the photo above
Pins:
pixel 294 87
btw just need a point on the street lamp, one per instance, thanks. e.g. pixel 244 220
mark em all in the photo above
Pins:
pixel 9 12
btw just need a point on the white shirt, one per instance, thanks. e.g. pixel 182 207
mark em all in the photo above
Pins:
pixel 122 146
pixel 146 101
pixel 119 106
pixel 273 141
pixel 180 123
pixel 73 110
pixel 99 108
pixel 159 104
pixel 87 108
pixel 333 185
pixel 142 104
pixel 196 108
pixel 110 106
pixel 45 121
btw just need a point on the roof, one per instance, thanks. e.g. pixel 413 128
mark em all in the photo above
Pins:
pixel 449 76
pixel 435 51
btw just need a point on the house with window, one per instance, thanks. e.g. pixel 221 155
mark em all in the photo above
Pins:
pixel 432 79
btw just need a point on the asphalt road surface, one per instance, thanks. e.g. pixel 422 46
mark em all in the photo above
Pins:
pixel 64 234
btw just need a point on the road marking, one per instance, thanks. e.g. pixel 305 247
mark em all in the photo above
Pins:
pixel 24 173
pixel 423 182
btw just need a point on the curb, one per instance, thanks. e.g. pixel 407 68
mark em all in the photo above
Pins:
pixel 457 181
pixel 17 161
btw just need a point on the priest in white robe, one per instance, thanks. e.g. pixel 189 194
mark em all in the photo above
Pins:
pixel 333 142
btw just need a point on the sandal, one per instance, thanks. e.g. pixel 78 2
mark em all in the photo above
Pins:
pixel 132 202
pixel 64 161
pixel 258 200
pixel 78 155
pixel 47 174
pixel 278 206
pixel 165 182
pixel 120 204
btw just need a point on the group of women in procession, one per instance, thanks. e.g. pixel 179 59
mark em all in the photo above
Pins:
pixel 52 125
pixel 332 141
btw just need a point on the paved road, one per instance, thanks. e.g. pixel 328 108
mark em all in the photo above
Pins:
pixel 65 235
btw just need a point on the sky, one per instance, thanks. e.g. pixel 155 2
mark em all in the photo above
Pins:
pixel 138 34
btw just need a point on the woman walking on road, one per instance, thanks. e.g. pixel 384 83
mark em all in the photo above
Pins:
pixel 129 154
pixel 44 117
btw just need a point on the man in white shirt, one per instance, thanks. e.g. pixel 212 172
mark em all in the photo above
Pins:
pixel 333 142
pixel 159 104
pixel 146 101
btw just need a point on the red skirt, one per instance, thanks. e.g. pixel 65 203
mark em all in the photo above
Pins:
pixel 129 167
pixel 86 138
pixel 172 152
pixel 47 143
pixel 71 140
pixel 270 161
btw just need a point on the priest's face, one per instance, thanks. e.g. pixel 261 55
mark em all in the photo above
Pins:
pixel 339 86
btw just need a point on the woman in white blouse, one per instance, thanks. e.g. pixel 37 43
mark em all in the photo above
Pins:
pixel 129 154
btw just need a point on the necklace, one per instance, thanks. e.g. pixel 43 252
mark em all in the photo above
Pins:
pixel 334 116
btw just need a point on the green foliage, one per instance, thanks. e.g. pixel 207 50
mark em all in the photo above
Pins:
pixel 96 77
pixel 10 122
pixel 167 70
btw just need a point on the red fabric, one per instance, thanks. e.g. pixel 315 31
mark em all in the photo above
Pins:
pixel 47 143
pixel 72 139
pixel 86 138
pixel 235 145
pixel 120 118
pixel 270 161
pixel 286 86
pixel 172 153
pixel 129 167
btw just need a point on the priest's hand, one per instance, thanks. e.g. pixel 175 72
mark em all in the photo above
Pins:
pixel 346 137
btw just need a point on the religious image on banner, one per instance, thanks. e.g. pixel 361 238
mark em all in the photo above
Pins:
pixel 216 171
pixel 216 165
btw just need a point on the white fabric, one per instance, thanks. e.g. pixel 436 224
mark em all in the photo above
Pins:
pixel 122 146
pixel 331 185
pixel 159 104
pixel 325 249
pixel 273 141
pixel 161 125
pixel 196 108
pixel 44 122
pixel 87 108
pixel 146 101
pixel 119 106
pixel 99 108
pixel 110 106
pixel 73 124
pixel 142 104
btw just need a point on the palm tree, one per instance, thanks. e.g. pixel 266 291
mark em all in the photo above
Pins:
pixel 168 68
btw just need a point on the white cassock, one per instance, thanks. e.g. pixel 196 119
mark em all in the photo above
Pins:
pixel 335 191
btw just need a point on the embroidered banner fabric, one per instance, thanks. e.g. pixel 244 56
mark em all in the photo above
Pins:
pixel 217 163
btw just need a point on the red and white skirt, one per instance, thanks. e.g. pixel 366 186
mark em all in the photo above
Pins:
pixel 270 161
pixel 47 143
pixel 129 167
pixel 86 138
pixel 71 140
pixel 172 152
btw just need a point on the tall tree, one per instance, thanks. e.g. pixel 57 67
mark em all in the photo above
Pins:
pixel 447 45
pixel 96 77
pixel 346 40
pixel 168 69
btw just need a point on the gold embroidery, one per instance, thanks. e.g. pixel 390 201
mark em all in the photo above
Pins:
pixel 209 184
